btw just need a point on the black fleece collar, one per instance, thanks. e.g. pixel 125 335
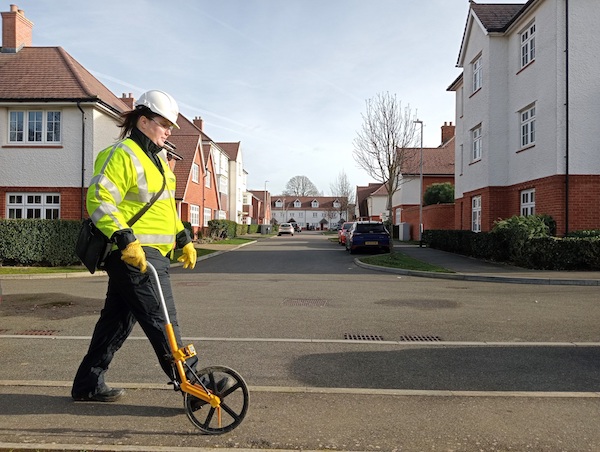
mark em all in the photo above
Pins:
pixel 144 142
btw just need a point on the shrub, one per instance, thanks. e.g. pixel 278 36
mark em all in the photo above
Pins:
pixel 439 193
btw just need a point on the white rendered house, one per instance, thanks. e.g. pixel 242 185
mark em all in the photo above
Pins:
pixel 526 114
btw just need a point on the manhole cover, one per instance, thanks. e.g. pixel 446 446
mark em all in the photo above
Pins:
pixel 37 333
pixel 310 302
pixel 420 338
pixel 362 337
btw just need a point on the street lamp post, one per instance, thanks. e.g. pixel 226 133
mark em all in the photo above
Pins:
pixel 265 205
pixel 420 187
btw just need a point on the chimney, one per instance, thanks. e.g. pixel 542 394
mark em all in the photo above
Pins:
pixel 198 122
pixel 16 30
pixel 447 132
pixel 128 99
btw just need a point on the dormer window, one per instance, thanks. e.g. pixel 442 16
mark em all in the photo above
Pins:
pixel 279 203
pixel 314 203
pixel 297 204
pixel 336 204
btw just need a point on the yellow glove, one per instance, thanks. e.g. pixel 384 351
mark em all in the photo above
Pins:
pixel 134 255
pixel 189 256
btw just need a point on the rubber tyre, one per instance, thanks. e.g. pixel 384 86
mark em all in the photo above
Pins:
pixel 234 402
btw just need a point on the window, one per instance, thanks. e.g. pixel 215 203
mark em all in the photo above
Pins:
pixel 34 127
pixel 336 204
pixel 207 179
pixel 33 205
pixel 195 215
pixel 314 214
pixel 207 216
pixel 278 203
pixel 476 214
pixel 195 172
pixel 314 203
pixel 297 204
pixel 476 135
pixel 528 45
pixel 477 74
pixel 528 202
pixel 528 127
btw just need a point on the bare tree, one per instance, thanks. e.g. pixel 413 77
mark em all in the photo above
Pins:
pixel 342 189
pixel 300 186
pixel 385 144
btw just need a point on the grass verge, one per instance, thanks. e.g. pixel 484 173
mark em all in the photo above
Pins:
pixel 401 260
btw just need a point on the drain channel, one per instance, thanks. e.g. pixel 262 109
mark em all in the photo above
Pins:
pixel 420 338
pixel 37 333
pixel 362 337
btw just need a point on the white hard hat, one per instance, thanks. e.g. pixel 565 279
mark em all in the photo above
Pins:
pixel 160 103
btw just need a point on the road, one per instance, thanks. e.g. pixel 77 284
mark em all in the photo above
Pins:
pixel 336 357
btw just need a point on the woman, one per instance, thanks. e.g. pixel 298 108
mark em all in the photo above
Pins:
pixel 127 176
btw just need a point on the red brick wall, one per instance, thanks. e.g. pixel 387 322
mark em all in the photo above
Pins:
pixel 437 216
pixel 70 199
pixel 504 202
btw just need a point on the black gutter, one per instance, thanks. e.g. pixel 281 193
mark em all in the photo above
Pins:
pixel 566 117
pixel 82 159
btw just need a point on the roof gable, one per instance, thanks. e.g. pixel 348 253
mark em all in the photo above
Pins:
pixel 51 74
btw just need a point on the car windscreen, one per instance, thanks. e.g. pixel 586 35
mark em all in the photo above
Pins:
pixel 364 228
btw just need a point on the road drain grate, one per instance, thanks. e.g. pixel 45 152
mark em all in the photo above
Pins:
pixel 362 337
pixel 420 338
pixel 37 333
pixel 310 302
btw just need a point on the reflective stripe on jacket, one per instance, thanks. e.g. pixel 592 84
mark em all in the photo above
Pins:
pixel 125 179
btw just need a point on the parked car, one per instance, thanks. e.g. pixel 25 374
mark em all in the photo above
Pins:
pixel 342 232
pixel 368 235
pixel 286 228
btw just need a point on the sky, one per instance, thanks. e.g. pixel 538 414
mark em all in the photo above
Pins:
pixel 289 79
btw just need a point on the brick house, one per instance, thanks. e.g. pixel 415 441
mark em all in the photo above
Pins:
pixel 526 114
pixel 58 117
pixel 309 212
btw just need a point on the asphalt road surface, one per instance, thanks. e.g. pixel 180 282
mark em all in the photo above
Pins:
pixel 336 356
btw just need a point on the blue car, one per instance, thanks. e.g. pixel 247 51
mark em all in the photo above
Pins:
pixel 365 235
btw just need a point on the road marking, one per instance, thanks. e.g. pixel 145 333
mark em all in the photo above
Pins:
pixel 339 391
pixel 335 341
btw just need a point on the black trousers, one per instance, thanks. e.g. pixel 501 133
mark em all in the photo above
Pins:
pixel 131 296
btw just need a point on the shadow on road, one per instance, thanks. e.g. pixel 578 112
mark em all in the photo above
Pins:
pixel 561 369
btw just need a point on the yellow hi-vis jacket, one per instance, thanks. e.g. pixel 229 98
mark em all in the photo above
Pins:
pixel 124 180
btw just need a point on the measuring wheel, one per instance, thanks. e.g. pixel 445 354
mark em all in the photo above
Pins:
pixel 231 388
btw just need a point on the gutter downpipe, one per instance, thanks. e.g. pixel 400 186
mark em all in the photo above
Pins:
pixel 567 117
pixel 82 159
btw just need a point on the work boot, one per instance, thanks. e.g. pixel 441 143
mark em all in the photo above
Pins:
pixel 105 395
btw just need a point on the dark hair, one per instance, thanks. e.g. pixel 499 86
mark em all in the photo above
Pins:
pixel 129 119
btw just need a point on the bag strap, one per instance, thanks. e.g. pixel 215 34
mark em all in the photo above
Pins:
pixel 144 209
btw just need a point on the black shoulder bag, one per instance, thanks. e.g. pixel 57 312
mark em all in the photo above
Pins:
pixel 93 247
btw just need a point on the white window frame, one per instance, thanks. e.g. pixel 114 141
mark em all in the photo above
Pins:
pixel 314 204
pixel 195 172
pixel 476 149
pixel 476 214
pixel 35 127
pixel 279 203
pixel 207 216
pixel 527 117
pixel 297 204
pixel 477 73
pixel 194 215
pixel 527 47
pixel 45 206
pixel 207 178
pixel 528 202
